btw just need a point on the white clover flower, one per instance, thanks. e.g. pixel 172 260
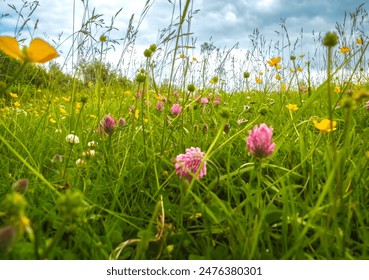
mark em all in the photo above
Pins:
pixel 92 144
pixel 72 139
pixel 89 153
pixel 80 162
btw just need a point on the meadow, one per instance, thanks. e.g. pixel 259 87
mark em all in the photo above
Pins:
pixel 261 158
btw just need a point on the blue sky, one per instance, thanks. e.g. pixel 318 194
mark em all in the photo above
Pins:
pixel 226 22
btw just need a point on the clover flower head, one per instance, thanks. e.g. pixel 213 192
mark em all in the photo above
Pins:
pixel 176 109
pixel 260 143
pixel 190 164
pixel 72 139
pixel 107 124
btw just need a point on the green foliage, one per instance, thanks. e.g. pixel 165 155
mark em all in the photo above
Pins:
pixel 117 195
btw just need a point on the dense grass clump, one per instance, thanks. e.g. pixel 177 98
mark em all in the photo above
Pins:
pixel 177 163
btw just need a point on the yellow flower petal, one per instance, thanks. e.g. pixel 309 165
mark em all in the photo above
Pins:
pixel 40 51
pixel 10 46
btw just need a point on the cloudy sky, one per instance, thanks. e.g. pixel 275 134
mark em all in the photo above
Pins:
pixel 226 22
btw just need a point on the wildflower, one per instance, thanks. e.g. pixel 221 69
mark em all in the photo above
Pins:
pixel 92 144
pixel 258 80
pixel 7 237
pixel 299 69
pixel 274 61
pixel 57 158
pixel 92 116
pixel 21 185
pixel 58 130
pixel 90 84
pixel 191 163
pixel 13 95
pixel 89 153
pixel 122 122
pixel 303 89
pixel 278 77
pixel 66 99
pixel 241 121
pixel 63 111
pixel 330 39
pixel 204 101
pixel 260 143
pixel 344 49
pixel 359 41
pixel 284 86
pixel 38 51
pixel 292 107
pixel 108 124
pixel 52 120
pixel 80 162
pixel 72 139
pixel 16 104
pixel 337 89
pixel 176 109
pixel 217 100
pixel 181 55
pixel 325 125
pixel 160 106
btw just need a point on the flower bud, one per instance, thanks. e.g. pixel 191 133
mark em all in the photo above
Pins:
pixel 330 39
pixel 20 186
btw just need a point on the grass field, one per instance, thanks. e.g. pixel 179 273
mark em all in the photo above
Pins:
pixel 93 164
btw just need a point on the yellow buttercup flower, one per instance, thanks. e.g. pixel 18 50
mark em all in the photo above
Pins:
pixel 292 107
pixel 66 99
pixel 325 125
pixel 359 41
pixel 274 61
pixel 63 111
pixel 257 80
pixel 13 95
pixel 278 77
pixel 38 51
pixel 16 104
pixel 52 120
pixel 344 49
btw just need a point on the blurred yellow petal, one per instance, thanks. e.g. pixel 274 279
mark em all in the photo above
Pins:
pixel 10 46
pixel 40 51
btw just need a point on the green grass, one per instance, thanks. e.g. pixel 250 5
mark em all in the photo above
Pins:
pixel 308 200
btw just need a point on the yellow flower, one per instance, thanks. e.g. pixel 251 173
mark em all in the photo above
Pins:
pixel 299 69
pixel 38 51
pixel 257 80
pixel 13 95
pixel 52 120
pixel 273 62
pixel 261 73
pixel 325 125
pixel 194 59
pixel 181 55
pixel 292 70
pixel 344 49
pixel 359 41
pixel 93 116
pixel 66 99
pixel 278 77
pixel 63 111
pixel 284 86
pixel 90 84
pixel 292 107
pixel 78 105
pixel 137 112
pixel 337 89
pixel 16 104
